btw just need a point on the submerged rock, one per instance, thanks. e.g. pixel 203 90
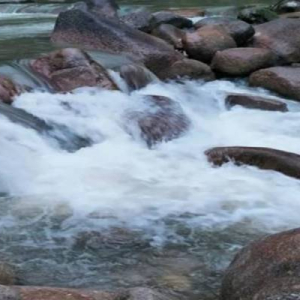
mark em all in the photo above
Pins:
pixel 81 28
pixel 9 293
pixel 255 102
pixel 162 122
pixel 136 76
pixel 242 61
pixel 70 68
pixel 266 269
pixel 264 158
pixel 282 37
pixel 282 80
pixel 7 275
pixel 170 34
pixel 240 31
pixel 8 90
pixel 189 69
pixel 204 43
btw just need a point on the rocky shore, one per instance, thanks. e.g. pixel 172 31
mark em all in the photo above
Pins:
pixel 260 46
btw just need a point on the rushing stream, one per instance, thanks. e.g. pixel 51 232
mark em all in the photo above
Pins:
pixel 117 214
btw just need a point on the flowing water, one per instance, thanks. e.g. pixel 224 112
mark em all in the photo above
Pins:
pixel 117 214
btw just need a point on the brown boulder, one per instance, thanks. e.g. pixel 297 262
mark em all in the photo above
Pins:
pixel 162 122
pixel 204 43
pixel 188 12
pixel 239 30
pixel 77 27
pixel 267 269
pixel 264 158
pixel 170 34
pixel 136 76
pixel 8 90
pixel 189 69
pixel 282 37
pixel 241 61
pixel 255 102
pixel 68 69
pixel 282 80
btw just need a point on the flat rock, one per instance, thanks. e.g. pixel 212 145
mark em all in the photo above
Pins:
pixel 282 80
pixel 264 158
pixel 255 102
pixel 242 61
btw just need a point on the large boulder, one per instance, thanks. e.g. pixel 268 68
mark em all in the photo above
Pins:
pixel 256 15
pixel 70 68
pixel 189 69
pixel 8 90
pixel 267 269
pixel 108 8
pixel 282 80
pixel 287 6
pixel 162 122
pixel 170 34
pixel 136 76
pixel 167 17
pixel 204 43
pixel 242 61
pixel 264 158
pixel 81 28
pixel 255 102
pixel 240 31
pixel 282 37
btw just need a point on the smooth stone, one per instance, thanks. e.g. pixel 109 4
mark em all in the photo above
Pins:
pixel 9 90
pixel 264 158
pixel 282 80
pixel 255 102
pixel 242 61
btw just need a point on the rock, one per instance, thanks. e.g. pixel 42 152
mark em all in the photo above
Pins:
pixel 287 6
pixel 282 80
pixel 255 102
pixel 242 61
pixel 138 20
pixel 264 158
pixel 68 69
pixel 254 15
pixel 9 293
pixel 293 15
pixel 163 122
pixel 7 274
pixel 108 35
pixel 188 12
pixel 205 42
pixel 282 37
pixel 136 76
pixel 240 31
pixel 189 69
pixel 170 34
pixel 167 17
pixel 8 90
pixel 108 8
pixel 266 269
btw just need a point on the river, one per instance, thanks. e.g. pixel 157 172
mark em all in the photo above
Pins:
pixel 117 214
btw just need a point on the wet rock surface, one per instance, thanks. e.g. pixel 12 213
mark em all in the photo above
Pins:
pixel 282 37
pixel 167 17
pixel 265 269
pixel 204 43
pixel 69 69
pixel 240 31
pixel 80 28
pixel 255 102
pixel 282 80
pixel 242 61
pixel 9 90
pixel 264 158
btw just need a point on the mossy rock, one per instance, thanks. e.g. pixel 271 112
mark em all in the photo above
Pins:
pixel 255 15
